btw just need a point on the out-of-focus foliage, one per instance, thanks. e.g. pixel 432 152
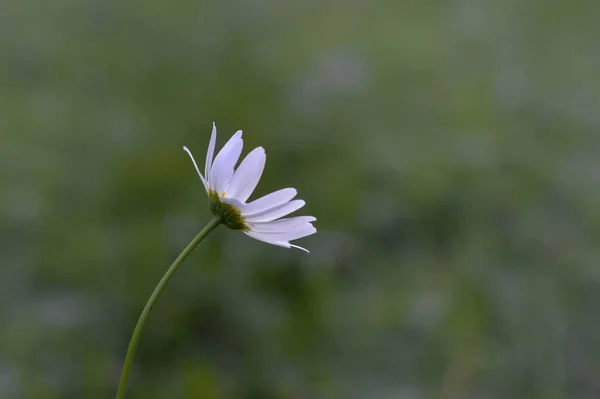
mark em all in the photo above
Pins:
pixel 449 149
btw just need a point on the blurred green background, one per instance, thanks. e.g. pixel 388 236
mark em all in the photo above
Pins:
pixel 449 149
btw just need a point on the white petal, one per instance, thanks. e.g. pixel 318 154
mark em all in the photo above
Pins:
pixel 247 175
pixel 196 166
pixel 268 240
pixel 266 228
pixel 282 225
pixel 222 169
pixel 269 201
pixel 263 238
pixel 275 212
pixel 211 151
pixel 291 235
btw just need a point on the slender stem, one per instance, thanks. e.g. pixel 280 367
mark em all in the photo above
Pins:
pixel 139 327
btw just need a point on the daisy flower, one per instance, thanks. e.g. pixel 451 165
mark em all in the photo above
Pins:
pixel 228 192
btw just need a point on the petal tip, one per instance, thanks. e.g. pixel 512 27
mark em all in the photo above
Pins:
pixel 300 248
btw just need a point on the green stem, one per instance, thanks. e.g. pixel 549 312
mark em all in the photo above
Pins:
pixel 139 327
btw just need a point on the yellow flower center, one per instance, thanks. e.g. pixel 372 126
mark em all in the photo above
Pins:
pixel 230 215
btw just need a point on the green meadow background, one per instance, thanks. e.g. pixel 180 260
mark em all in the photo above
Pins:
pixel 449 149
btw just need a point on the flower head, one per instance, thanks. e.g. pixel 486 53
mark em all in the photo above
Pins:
pixel 229 189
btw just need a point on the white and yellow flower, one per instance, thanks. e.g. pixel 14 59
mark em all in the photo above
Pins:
pixel 229 189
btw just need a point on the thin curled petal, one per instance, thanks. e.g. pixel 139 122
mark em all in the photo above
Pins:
pixel 196 166
pixel 299 247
